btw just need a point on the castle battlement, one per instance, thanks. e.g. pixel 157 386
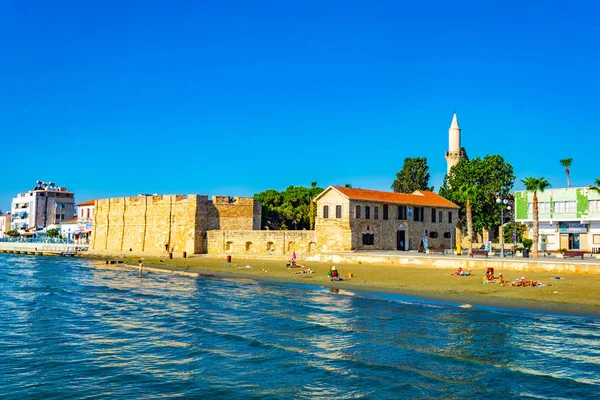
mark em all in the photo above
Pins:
pixel 236 200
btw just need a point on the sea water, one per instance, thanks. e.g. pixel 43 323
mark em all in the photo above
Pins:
pixel 71 328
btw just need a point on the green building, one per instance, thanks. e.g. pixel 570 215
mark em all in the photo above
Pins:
pixel 569 218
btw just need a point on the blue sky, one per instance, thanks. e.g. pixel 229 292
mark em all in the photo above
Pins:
pixel 235 97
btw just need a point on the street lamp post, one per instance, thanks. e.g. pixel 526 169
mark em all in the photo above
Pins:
pixel 505 203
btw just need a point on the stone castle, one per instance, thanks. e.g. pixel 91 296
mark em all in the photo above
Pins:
pixel 169 223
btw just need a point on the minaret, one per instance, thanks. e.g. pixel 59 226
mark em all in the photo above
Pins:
pixel 454 153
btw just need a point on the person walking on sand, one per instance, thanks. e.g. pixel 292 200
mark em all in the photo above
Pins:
pixel 141 267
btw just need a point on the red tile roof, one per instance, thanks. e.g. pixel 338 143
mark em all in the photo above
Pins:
pixel 418 198
pixel 86 203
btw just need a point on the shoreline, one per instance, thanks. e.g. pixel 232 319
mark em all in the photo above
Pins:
pixel 463 290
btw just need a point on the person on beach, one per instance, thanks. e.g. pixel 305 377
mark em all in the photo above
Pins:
pixel 461 272
pixel 334 275
pixel 500 278
pixel 141 267
pixel 488 278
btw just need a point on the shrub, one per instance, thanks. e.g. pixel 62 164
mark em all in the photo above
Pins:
pixel 527 243
pixel 562 251
pixel 13 233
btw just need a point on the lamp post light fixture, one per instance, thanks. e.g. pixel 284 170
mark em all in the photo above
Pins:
pixel 508 205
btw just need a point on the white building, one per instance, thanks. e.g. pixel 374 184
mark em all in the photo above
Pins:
pixel 569 218
pixel 45 205
pixel 79 230
pixel 4 224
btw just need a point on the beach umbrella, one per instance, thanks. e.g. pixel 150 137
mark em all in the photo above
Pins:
pixel 294 255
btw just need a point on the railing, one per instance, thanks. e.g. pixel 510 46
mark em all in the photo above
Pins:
pixel 34 240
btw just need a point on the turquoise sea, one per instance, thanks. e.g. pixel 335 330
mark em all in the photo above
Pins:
pixel 72 328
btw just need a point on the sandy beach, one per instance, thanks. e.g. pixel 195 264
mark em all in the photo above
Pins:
pixel 575 293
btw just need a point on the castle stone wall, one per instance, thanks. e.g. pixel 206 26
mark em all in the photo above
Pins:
pixel 150 224
pixel 261 242
pixel 234 213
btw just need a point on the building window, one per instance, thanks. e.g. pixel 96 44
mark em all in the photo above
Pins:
pixel 376 213
pixel 385 211
pixel 419 214
pixel 544 208
pixel 402 212
pixel 447 235
pixel 433 235
pixel 596 238
pixel 594 206
pixel 441 213
pixel 367 212
pixel 338 211
pixel 368 239
pixel 564 207
pixel 529 208
pixel 433 215
pixel 357 211
pixel 449 217
pixel 325 211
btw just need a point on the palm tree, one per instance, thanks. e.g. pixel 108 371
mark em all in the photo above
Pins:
pixel 535 185
pixel 566 162
pixel 468 193
pixel 597 187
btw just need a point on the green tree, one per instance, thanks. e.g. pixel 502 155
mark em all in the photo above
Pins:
pixel 535 185
pixel 566 162
pixel 509 230
pixel 491 176
pixel 413 176
pixel 291 208
pixel 467 194
pixel 52 232
pixel 13 233
pixel 597 187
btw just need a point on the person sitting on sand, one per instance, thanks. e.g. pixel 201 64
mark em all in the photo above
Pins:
pixel 292 263
pixel 500 278
pixel 488 278
pixel 334 275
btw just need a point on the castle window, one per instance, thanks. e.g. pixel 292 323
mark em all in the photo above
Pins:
pixel 441 213
pixel 376 213
pixel 433 235
pixel 325 211
pixel 248 246
pixel 368 239
pixel 367 212
pixel 385 212
pixel 338 211
pixel 433 215
pixel 357 212
pixel 417 216
pixel 229 246
pixel 447 235
pixel 449 217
